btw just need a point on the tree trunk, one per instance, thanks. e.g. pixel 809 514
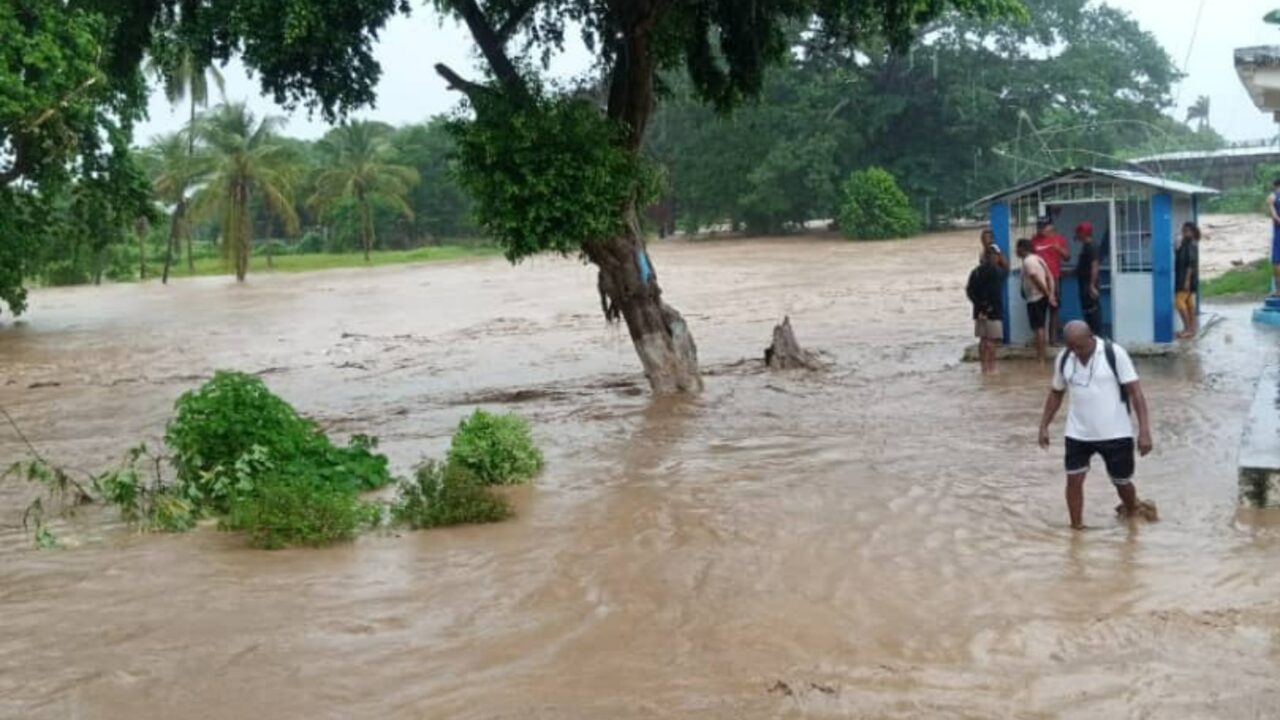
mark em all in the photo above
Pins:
pixel 366 224
pixel 191 153
pixel 140 228
pixel 175 225
pixel 629 290
pixel 628 283
pixel 785 352
pixel 244 243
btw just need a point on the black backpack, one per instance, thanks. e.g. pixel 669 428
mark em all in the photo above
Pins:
pixel 1109 352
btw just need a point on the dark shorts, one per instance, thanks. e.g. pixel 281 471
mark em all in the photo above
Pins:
pixel 1275 244
pixel 1117 455
pixel 1038 313
pixel 1092 311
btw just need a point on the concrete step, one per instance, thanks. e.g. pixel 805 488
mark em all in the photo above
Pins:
pixel 1267 314
pixel 1259 459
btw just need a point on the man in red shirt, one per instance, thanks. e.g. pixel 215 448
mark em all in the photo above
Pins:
pixel 1053 249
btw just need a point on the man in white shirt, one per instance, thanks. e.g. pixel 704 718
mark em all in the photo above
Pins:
pixel 1103 385
pixel 1039 292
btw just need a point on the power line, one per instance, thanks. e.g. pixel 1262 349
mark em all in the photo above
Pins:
pixel 1186 62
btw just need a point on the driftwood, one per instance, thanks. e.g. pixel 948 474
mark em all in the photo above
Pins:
pixel 786 354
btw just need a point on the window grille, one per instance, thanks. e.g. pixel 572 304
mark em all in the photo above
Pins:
pixel 1133 234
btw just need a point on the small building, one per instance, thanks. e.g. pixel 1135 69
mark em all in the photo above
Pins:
pixel 1136 220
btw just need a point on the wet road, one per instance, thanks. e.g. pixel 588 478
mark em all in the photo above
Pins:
pixel 882 541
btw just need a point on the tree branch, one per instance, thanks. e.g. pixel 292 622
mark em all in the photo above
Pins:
pixel 515 19
pixel 491 45
pixel 457 82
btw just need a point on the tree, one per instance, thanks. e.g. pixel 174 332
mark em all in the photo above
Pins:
pixel 441 208
pixel 970 106
pixel 67 105
pixel 175 173
pixel 184 77
pixel 246 162
pixel 355 166
pixel 1199 111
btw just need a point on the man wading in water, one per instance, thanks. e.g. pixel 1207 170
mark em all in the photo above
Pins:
pixel 1103 385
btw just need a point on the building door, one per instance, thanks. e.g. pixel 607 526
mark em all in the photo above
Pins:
pixel 1066 217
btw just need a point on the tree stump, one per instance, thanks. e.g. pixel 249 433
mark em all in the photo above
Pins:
pixel 786 354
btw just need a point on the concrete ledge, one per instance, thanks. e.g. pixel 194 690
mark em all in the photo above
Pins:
pixel 1028 352
pixel 1208 321
pixel 1259 460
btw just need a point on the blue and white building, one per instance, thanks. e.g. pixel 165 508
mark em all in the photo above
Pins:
pixel 1136 226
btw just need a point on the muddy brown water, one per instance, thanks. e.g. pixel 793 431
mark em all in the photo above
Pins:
pixel 883 541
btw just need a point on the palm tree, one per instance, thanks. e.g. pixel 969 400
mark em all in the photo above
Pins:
pixel 185 78
pixel 246 161
pixel 1199 111
pixel 355 165
pixel 175 172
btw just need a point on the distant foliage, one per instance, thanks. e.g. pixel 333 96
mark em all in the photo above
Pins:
pixel 875 208
pixel 1247 199
pixel 497 449
pixel 233 429
pixel 546 175
pixel 446 494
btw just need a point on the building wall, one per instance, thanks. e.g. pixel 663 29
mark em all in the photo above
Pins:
pixel 1132 298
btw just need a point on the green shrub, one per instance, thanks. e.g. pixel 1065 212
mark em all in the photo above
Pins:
pixel 446 495
pixel 233 429
pixel 875 208
pixel 151 505
pixel 288 506
pixel 62 273
pixel 273 248
pixel 312 242
pixel 497 449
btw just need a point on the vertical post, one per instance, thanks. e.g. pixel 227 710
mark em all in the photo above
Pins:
pixel 1162 281
pixel 1195 218
pixel 1001 229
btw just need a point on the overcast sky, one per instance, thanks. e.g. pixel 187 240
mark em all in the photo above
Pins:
pixel 410 91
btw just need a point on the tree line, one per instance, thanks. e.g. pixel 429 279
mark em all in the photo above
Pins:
pixel 231 183
pixel 972 105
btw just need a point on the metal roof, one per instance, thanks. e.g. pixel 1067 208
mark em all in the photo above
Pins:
pixel 1127 176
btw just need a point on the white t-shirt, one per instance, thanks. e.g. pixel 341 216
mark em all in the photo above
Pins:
pixel 1034 266
pixel 1096 411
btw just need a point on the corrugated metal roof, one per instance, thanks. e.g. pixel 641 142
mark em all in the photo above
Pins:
pixel 1210 154
pixel 1128 176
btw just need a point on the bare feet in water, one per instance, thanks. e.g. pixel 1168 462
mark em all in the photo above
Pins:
pixel 1145 510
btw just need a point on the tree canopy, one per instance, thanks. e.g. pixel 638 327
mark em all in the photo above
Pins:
pixel 970 106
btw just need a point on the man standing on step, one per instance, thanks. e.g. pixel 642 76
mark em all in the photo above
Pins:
pixel 1103 386
pixel 1054 250
pixel 1088 272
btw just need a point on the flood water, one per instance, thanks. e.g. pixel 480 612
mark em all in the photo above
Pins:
pixel 881 541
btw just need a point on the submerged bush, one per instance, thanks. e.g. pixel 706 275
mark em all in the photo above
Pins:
pixel 233 428
pixel 290 507
pixel 497 449
pixel 875 208
pixel 442 494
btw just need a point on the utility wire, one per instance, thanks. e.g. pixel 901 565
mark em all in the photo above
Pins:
pixel 1186 62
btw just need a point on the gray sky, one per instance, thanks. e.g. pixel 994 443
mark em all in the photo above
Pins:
pixel 410 91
